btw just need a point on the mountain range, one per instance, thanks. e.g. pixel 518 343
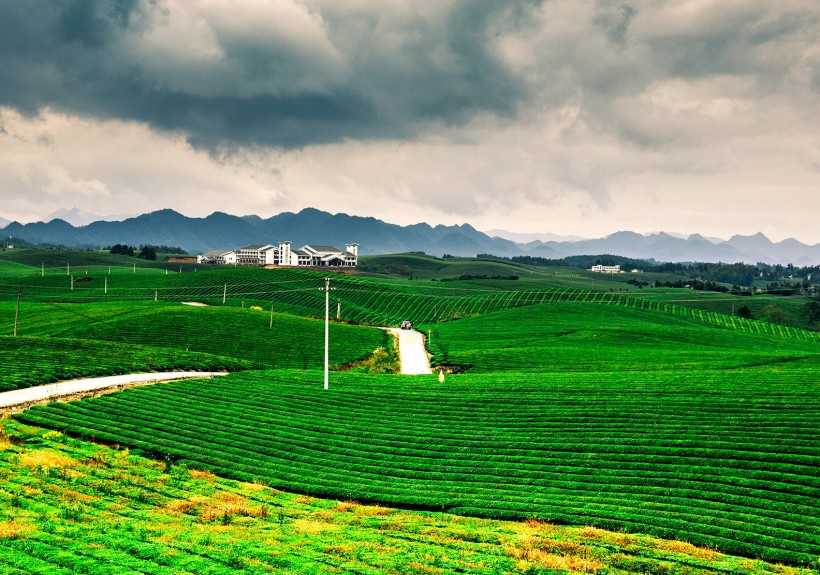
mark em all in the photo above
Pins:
pixel 310 226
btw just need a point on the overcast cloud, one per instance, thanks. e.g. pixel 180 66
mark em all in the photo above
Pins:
pixel 576 117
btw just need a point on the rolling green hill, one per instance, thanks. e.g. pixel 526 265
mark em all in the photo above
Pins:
pixel 231 333
pixel 577 406
pixel 720 458
pixel 72 506
pixel 587 337
pixel 30 361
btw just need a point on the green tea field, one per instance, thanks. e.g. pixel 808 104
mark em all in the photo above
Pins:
pixel 71 506
pixel 603 410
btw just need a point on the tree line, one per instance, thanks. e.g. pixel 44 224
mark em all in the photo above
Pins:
pixel 740 274
pixel 146 252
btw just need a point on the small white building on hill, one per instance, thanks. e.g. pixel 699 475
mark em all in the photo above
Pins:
pixel 218 257
pixel 606 269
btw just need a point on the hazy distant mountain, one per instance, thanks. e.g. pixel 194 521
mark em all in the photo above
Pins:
pixel 523 238
pixel 224 231
pixel 77 217
pixel 4 222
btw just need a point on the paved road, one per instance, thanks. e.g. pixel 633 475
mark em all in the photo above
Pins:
pixel 413 356
pixel 52 390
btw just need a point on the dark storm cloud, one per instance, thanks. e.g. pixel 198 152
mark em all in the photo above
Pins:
pixel 293 73
pixel 95 58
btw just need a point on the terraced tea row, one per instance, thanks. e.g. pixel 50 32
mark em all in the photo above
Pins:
pixel 720 458
pixel 244 334
pixel 77 507
pixel 30 361
pixel 570 336
pixel 360 299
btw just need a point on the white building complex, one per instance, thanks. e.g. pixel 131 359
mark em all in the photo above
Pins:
pixel 606 269
pixel 284 255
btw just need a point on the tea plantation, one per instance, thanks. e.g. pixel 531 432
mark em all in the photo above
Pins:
pixel 560 405
pixel 71 506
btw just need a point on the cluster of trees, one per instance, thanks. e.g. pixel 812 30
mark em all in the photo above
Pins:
pixel 464 277
pixel 695 284
pixel 737 274
pixel 145 252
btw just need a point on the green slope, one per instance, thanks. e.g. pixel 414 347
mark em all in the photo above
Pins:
pixel 596 337
pixel 721 458
pixel 70 506
pixel 30 361
pixel 239 333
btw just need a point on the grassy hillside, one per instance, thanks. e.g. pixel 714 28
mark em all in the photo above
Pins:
pixel 56 260
pixel 231 333
pixel 70 506
pixel 589 337
pixel 721 458
pixel 577 406
pixel 29 361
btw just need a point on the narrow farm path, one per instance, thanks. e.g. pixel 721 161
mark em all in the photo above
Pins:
pixel 412 355
pixel 31 395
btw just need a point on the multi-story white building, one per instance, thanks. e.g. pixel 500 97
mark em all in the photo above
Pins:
pixel 256 254
pixel 284 255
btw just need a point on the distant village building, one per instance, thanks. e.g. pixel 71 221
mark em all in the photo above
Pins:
pixel 606 269
pixel 284 255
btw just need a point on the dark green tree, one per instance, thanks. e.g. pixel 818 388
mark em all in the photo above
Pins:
pixel 810 314
pixel 744 312
pixel 147 253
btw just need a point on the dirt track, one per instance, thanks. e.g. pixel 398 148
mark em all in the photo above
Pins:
pixel 412 354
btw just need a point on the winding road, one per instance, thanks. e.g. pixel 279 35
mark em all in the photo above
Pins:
pixel 29 395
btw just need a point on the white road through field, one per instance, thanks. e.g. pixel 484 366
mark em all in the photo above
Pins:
pixel 412 354
pixel 53 390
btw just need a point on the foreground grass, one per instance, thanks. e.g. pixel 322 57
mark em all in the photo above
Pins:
pixel 69 506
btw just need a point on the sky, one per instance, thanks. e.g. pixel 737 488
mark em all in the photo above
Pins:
pixel 571 117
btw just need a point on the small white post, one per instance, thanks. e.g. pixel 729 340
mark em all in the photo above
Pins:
pixel 42 270
pixel 338 309
pixel 155 295
pixel 106 285
pixel 68 269
pixel 17 310
pixel 72 283
pixel 271 315
pixel 135 267
pixel 224 294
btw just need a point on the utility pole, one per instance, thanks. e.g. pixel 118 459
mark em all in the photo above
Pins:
pixel 17 310
pixel 327 290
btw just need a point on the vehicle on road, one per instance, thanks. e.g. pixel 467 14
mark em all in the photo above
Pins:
pixel 406 325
